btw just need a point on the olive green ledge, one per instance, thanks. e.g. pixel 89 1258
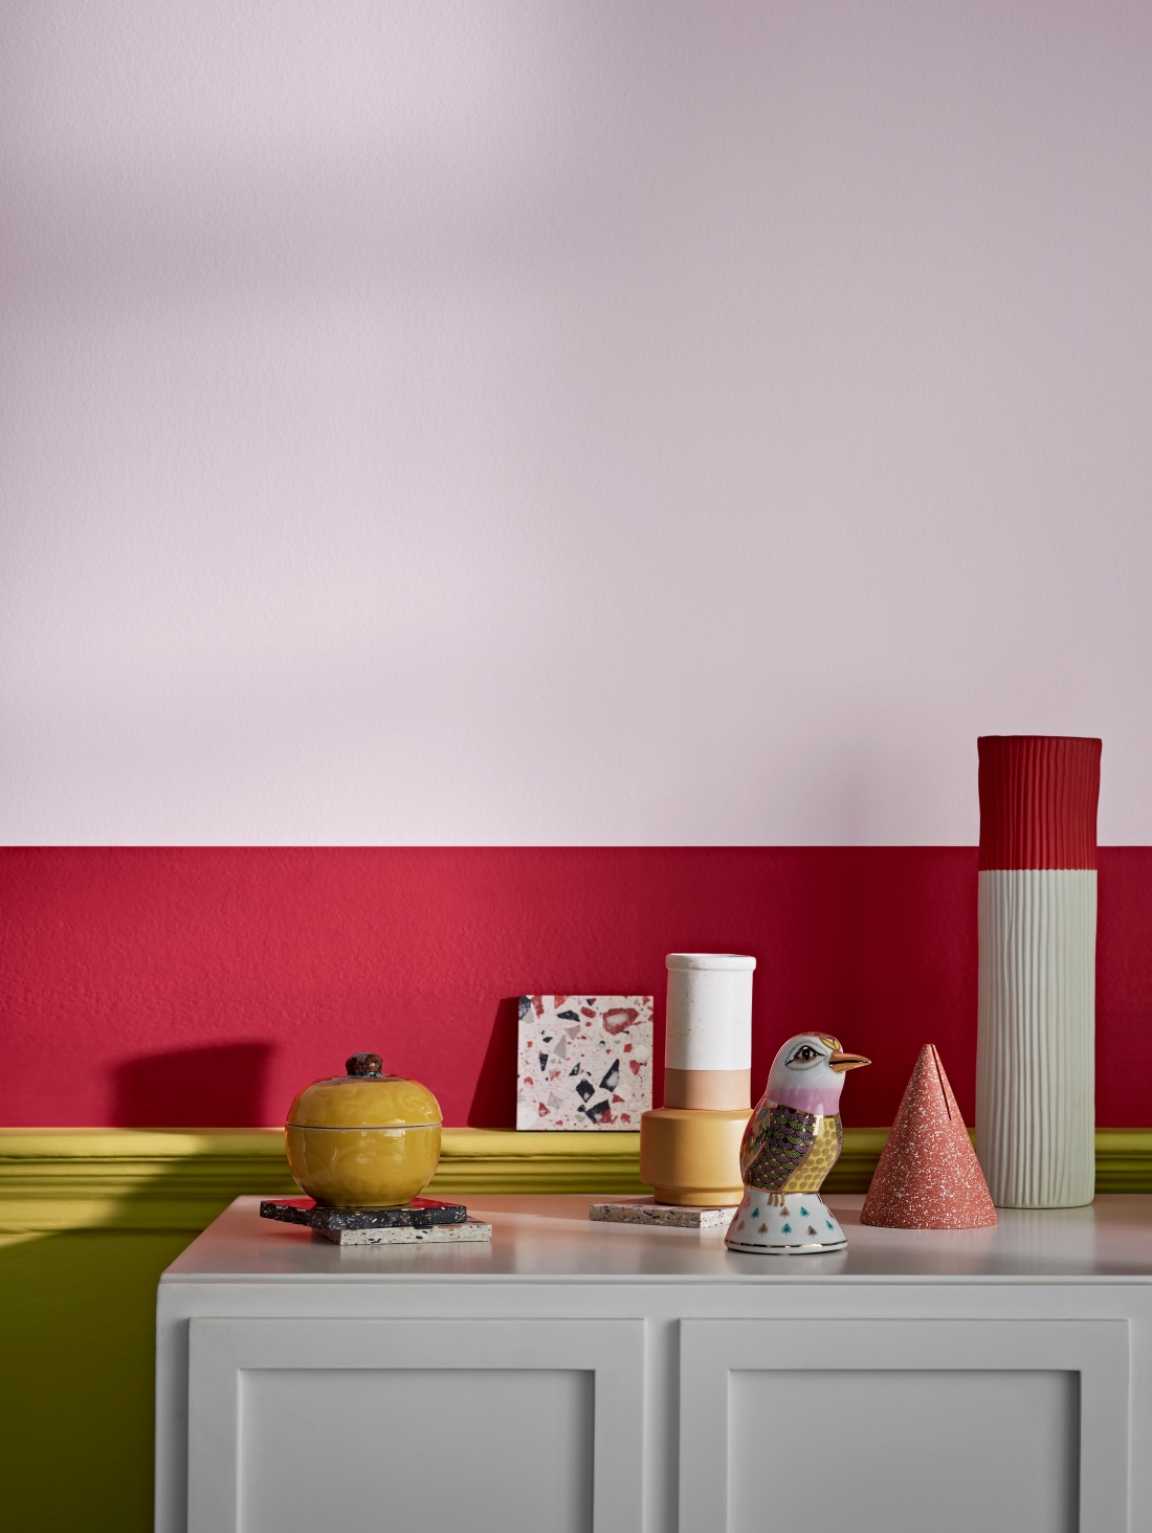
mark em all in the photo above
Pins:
pixel 1124 1160
pixel 180 1179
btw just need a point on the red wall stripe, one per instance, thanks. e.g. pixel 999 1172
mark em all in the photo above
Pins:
pixel 203 986
pixel 1038 797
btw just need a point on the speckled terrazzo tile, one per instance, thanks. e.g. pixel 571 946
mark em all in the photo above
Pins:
pixel 420 1213
pixel 584 1061
pixel 471 1231
pixel 669 1214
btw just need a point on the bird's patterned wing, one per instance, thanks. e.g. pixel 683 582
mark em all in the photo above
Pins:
pixel 775 1145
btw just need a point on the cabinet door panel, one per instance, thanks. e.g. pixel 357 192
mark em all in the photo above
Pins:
pixel 901 1425
pixel 398 1424
pixel 952 1449
pixel 380 1443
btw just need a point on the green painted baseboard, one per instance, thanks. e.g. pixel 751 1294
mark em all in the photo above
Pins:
pixel 179 1180
pixel 157 1179
pixel 1123 1159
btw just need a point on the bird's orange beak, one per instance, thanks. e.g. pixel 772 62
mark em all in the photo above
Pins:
pixel 841 1061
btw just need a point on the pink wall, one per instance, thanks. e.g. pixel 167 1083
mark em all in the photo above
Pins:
pixel 598 424
pixel 203 987
pixel 605 422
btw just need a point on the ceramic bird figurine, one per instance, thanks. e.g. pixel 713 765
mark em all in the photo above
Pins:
pixel 791 1143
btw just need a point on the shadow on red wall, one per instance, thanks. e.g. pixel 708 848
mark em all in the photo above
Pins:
pixel 494 1100
pixel 218 1086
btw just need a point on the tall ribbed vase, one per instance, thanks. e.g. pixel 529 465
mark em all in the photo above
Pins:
pixel 1035 1063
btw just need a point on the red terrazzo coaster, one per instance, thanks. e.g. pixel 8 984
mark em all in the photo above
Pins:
pixel 928 1177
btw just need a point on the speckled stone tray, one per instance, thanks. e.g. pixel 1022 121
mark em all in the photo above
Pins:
pixel 667 1214
pixel 471 1231
pixel 420 1214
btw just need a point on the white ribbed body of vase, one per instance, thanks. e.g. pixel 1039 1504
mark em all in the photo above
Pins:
pixel 1035 1065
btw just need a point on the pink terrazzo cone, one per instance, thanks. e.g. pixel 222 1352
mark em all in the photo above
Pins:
pixel 928 1177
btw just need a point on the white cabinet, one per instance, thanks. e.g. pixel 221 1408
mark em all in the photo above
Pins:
pixel 617 1379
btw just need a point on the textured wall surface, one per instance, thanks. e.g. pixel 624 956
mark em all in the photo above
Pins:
pixel 478 422
pixel 602 422
pixel 203 986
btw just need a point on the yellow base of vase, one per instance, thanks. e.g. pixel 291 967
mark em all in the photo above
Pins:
pixel 691 1157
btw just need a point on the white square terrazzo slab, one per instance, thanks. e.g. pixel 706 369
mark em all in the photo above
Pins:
pixel 584 1061
pixel 669 1214
pixel 470 1231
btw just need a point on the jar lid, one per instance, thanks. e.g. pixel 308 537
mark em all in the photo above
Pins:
pixel 364 1098
pixel 709 961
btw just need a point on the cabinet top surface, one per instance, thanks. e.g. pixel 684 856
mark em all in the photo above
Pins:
pixel 537 1239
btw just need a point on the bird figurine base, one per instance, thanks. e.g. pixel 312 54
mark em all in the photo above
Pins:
pixel 800 1225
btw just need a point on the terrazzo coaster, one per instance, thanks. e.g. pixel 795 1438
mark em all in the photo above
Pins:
pixel 469 1232
pixel 669 1214
pixel 419 1214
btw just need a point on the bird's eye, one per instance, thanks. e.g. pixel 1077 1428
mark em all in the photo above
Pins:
pixel 806 1053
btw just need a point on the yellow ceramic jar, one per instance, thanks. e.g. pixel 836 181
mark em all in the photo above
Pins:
pixel 365 1139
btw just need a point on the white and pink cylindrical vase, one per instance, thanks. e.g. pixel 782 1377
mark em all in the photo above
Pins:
pixel 690 1147
pixel 708 1041
pixel 1035 1055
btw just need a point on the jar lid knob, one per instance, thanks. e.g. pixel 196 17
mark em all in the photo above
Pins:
pixel 364 1064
